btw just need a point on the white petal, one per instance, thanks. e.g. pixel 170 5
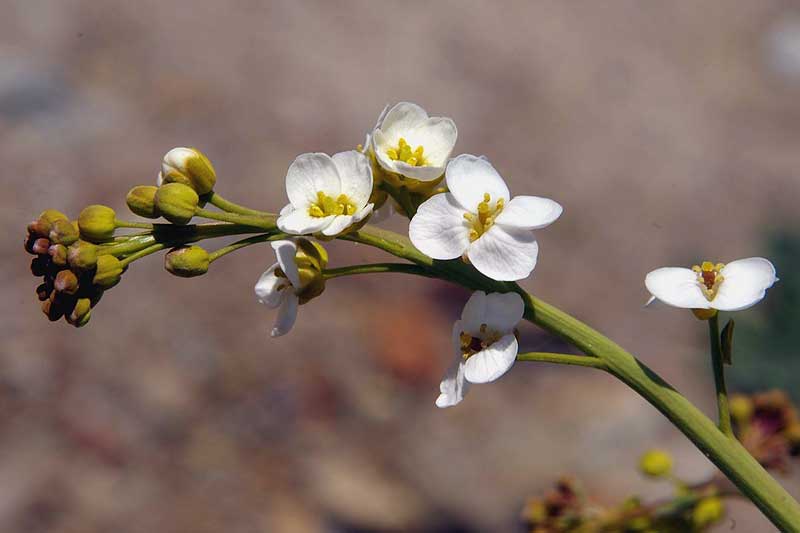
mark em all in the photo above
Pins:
pixel 363 213
pixel 437 136
pixel 474 312
pixel 469 178
pixel 677 287
pixel 355 174
pixel 438 229
pixel 159 179
pixel 299 222
pixel 338 225
pixel 492 362
pixel 401 118
pixel 308 174
pixel 285 251
pixel 504 254
pixel 270 288
pixel 380 144
pixel 424 173
pixel 285 210
pixel 504 311
pixel 453 386
pixel 529 212
pixel 745 283
pixel 287 314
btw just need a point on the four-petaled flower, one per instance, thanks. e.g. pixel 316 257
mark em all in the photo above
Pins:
pixel 725 287
pixel 484 341
pixel 410 143
pixel 278 287
pixel 328 194
pixel 476 221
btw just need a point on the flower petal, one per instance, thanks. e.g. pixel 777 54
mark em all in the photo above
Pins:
pixel 470 177
pixel 529 212
pixel 270 288
pixel 504 311
pixel 285 251
pixel 338 225
pixel 474 312
pixel 299 222
pixel 437 137
pixel 402 118
pixel 677 287
pixel 491 363
pixel 504 254
pixel 307 175
pixel 745 283
pixel 453 386
pixel 438 229
pixel 424 173
pixel 287 314
pixel 380 144
pixel 363 213
pixel 355 174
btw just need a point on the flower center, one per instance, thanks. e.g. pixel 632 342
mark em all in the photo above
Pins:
pixel 709 277
pixel 480 223
pixel 404 153
pixel 471 345
pixel 326 206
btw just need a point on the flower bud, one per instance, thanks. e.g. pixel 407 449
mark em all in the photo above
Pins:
pixel 39 266
pixel 40 246
pixel 707 511
pixel 655 463
pixel 82 256
pixel 310 254
pixel 62 231
pixel 190 167
pixel 741 408
pixel 141 201
pixel 58 254
pixel 187 261
pixel 66 281
pixel 80 314
pixel 97 223
pixel 176 202
pixel 108 273
pixel 52 310
pixel 42 225
pixel 704 314
pixel 43 291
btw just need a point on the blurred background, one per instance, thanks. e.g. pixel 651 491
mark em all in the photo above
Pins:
pixel 669 132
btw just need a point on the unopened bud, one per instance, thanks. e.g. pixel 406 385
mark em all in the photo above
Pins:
pixel 66 281
pixel 655 463
pixel 82 256
pixel 80 313
pixel 190 167
pixel 52 310
pixel 40 246
pixel 707 511
pixel 141 200
pixel 58 254
pixel 176 202
pixel 43 291
pixel 741 408
pixel 310 254
pixel 187 261
pixel 62 231
pixel 42 225
pixel 108 273
pixel 97 223
pixel 39 266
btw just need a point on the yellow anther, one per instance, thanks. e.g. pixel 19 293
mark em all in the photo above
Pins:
pixel 315 211
pixel 486 197
pixel 392 154
pixel 486 215
pixel 405 153
pixel 709 277
pixel 412 161
pixel 327 206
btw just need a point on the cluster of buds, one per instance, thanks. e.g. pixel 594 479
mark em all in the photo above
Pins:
pixel 565 508
pixel 768 426
pixel 74 271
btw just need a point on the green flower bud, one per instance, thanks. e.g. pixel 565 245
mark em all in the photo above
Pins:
pixel 97 223
pixel 80 313
pixel 62 231
pixel 58 254
pixel 66 281
pixel 310 254
pixel 190 167
pixel 176 202
pixel 187 261
pixel 40 246
pixel 741 408
pixel 82 256
pixel 655 463
pixel 42 225
pixel 108 273
pixel 141 200
pixel 707 511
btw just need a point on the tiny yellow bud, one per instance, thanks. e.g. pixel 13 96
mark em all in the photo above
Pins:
pixel 741 408
pixel 82 256
pixel 81 313
pixel 66 281
pixel 97 223
pixel 62 231
pixel 655 463
pixel 187 261
pixel 141 200
pixel 176 202
pixel 707 511
pixel 311 253
pixel 108 273
pixel 190 167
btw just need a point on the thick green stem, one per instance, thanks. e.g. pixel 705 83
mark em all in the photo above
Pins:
pixel 402 268
pixel 226 205
pixel 728 454
pixel 141 253
pixel 718 366
pixel 265 222
pixel 563 359
pixel 225 250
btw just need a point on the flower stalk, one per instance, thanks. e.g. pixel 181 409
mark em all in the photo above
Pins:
pixel 718 367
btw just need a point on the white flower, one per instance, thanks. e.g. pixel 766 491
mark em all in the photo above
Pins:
pixel 725 287
pixel 484 342
pixel 327 194
pixel 476 220
pixel 409 142
pixel 277 288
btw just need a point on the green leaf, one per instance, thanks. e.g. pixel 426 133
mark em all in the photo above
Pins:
pixel 726 341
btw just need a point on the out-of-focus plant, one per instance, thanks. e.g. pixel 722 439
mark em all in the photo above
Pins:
pixel 464 228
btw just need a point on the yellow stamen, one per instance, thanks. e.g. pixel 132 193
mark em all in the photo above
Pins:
pixel 709 277
pixel 481 221
pixel 404 153
pixel 471 345
pixel 327 206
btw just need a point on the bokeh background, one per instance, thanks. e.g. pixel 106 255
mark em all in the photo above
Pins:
pixel 668 130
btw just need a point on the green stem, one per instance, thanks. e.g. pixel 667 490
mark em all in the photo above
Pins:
pixel 403 268
pixel 728 454
pixel 136 225
pixel 265 222
pixel 718 367
pixel 141 253
pixel 226 205
pixel 225 250
pixel 563 359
